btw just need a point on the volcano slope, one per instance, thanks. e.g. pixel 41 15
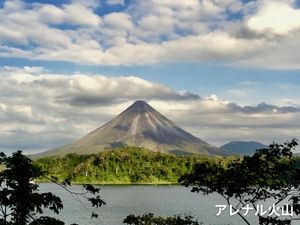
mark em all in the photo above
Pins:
pixel 139 125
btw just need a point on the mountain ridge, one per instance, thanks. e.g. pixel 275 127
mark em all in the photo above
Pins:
pixel 243 147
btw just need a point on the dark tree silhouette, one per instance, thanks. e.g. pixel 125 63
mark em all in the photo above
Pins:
pixel 19 198
pixel 43 220
pixel 150 219
pixel 20 201
pixel 270 174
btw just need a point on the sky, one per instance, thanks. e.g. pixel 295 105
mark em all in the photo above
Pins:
pixel 223 70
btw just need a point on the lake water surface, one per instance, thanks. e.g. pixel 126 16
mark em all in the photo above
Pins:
pixel 122 200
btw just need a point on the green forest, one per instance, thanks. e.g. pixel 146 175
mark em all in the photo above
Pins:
pixel 127 165
pixel 271 175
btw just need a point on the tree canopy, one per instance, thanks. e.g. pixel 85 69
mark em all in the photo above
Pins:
pixel 271 174
pixel 150 219
pixel 123 165
pixel 20 200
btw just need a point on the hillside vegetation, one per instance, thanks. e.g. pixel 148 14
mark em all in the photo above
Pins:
pixel 126 165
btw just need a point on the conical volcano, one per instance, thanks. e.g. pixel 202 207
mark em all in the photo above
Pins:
pixel 142 126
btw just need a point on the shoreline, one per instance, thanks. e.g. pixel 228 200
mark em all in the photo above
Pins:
pixel 116 184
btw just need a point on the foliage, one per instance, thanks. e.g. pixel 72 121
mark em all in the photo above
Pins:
pixel 150 219
pixel 90 193
pixel 20 199
pixel 125 165
pixel 270 174
pixel 44 220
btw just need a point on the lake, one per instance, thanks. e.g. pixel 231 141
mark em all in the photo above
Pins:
pixel 122 200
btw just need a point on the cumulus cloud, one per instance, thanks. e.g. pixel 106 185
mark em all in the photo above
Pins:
pixel 235 32
pixel 278 17
pixel 218 121
pixel 40 110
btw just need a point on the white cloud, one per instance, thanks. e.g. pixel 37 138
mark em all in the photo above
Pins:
pixel 278 17
pixel 80 14
pixel 118 21
pixel 263 33
pixel 51 14
pixel 40 110
pixel 278 54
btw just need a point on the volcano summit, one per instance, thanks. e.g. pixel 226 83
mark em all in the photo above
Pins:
pixel 142 126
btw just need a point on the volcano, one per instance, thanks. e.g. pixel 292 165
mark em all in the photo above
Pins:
pixel 139 125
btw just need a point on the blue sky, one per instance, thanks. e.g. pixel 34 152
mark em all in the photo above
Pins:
pixel 233 54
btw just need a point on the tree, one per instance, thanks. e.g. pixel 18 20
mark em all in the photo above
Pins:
pixel 150 219
pixel 271 174
pixel 20 201
pixel 47 221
